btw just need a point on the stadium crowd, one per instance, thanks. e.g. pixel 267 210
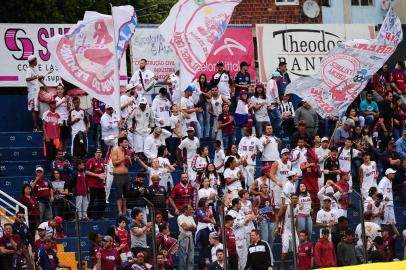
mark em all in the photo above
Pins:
pixel 221 133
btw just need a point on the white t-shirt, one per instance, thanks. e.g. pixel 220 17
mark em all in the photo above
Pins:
pixel 214 251
pixel 188 220
pixel 298 156
pixel 32 86
pixel 271 91
pixel 325 217
pixel 344 158
pixel 187 103
pixel 368 176
pixel 147 76
pixel 161 172
pixel 223 85
pixel 191 147
pixel 109 125
pixel 217 105
pixel 322 154
pixel 371 230
pixel 233 174
pixel 287 190
pixel 178 122
pixel 151 145
pixel 270 151
pixel 205 193
pixel 166 177
pixel 80 125
pixel 45 226
pixel 262 113
pixel 249 146
pixel 124 99
pixel 160 108
pixel 219 157
pixel 305 205
pixel 385 187
pixel 62 109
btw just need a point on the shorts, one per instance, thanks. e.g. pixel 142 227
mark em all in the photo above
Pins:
pixel 122 182
pixel 33 102
pixel 287 242
pixel 65 131
pixel 389 216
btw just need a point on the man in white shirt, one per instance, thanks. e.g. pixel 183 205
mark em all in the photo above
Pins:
pixel 127 102
pixel 189 111
pixel 385 187
pixel 187 226
pixel 326 217
pixel 270 144
pixel 160 108
pixel 372 230
pixel 174 83
pixel 187 149
pixel 219 157
pixel 143 80
pixel 223 81
pixel 248 149
pixel 298 156
pixel 273 101
pixel 79 122
pixel 289 187
pixel 215 244
pixel 322 153
pixel 345 157
pixel 153 141
pixel 33 79
pixel 109 124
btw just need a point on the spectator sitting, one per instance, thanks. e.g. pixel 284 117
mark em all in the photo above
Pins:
pixel 343 133
pixel 401 145
pixel 359 120
pixel 369 109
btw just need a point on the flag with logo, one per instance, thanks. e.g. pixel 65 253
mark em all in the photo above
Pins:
pixel 192 28
pixel 346 69
pixel 88 56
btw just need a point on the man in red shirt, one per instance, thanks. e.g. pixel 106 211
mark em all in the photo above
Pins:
pixel 231 242
pixel 324 251
pixel 110 259
pixel 124 236
pixel 51 122
pixel 305 252
pixel 44 194
pixel 226 124
pixel 8 246
pixel 389 241
pixel 95 177
pixel 98 109
pixel 181 193
pixel 397 78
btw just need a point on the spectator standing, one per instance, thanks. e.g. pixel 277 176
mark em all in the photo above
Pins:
pixel 43 193
pixel 63 105
pixel 222 80
pixel 346 158
pixel 181 193
pixel 8 246
pixel 242 80
pixel 324 252
pixel 205 225
pixel 309 116
pixel 401 145
pixel 32 208
pixel 217 264
pixel 232 254
pixel 109 256
pixel 154 140
pixel 274 104
pixel 226 125
pixel 399 118
pixel 378 252
pixel 127 102
pixel 368 174
pixel 305 252
pixel 248 149
pixel 339 230
pixel 389 241
pixel 279 175
pixel 263 206
pixel 123 235
pixel 288 115
pixel 326 217
pixel 369 109
pixel 386 188
pixel 178 128
pixel 142 80
pixel 161 107
pixel 346 250
pixel 215 245
pixel 343 132
pixel 304 220
pixel 19 260
pixel 99 108
pixel 285 80
pixel 109 124
pixel 139 231
pixel 189 109
pixel 200 99
pixel 215 109
pixel 270 145
pixel 233 177
pixel 159 196
pixel 46 258
pixel 81 196
pixel 301 133
pixel 79 122
pixel 51 122
pixel 260 102
pixel 259 253
pixel 331 167
pixel 95 178
pixel 398 78
pixel 64 167
pixel 61 205
pixel 187 226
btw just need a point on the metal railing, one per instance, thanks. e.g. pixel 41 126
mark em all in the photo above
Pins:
pixel 11 205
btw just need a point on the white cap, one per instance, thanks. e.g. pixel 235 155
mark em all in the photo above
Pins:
pixel 285 150
pixel 389 171
pixel 39 168
pixel 190 129
pixel 349 122
pixel 143 100
pixel 324 139
pixel 326 198
pixel 43 226
pixel 329 190
pixel 292 173
pixel 129 87
pixel 31 58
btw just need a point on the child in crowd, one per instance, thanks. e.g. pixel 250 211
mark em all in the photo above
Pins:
pixel 80 185
pixel 305 252
pixel 122 233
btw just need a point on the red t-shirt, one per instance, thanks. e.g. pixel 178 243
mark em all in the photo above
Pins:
pixel 181 195
pixel 124 239
pixel 5 242
pixel 109 259
pixel 80 184
pixel 231 244
pixel 51 122
pixel 228 129
pixel 310 178
pixel 42 190
pixel 305 253
pixel 95 166
pixel 398 77
pixel 96 104
pixel 344 199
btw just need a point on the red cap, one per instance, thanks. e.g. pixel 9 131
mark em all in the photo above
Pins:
pixel 140 254
pixel 344 172
pixel 59 220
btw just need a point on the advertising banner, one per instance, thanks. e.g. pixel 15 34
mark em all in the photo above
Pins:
pixel 235 46
pixel 18 41
pixel 303 46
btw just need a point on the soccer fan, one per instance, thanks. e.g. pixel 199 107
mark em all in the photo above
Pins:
pixel 385 187
pixel 259 253
pixel 43 192
pixel 279 175
pixel 368 174
pixel 188 108
pixel 109 123
pixel 222 80
pixel 143 79
pixel 51 122
pixel 79 122
pixel 307 114
pixel 248 149
pixel 187 150
pixel 46 257
pixel 305 252
pixel 324 252
pixel 326 217
pixel 231 252
pixel 161 109
pixel 187 226
pixel 99 108
pixel 181 193
pixel 346 250
pixel 8 246
pixel 215 245
pixel 154 140
pixel 270 144
pixel 95 177
pixel 218 264
pixel 127 102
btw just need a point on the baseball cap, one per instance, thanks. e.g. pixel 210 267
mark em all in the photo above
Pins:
pixel 31 58
pixel 39 169
pixel 326 198
pixel 276 74
pixel 109 107
pixel 42 226
pixel 228 217
pixel 129 87
pixel 292 173
pixel 59 220
pixel 285 150
pixel 244 64
pixel 190 88
pixel 143 100
pixel 389 171
pixel 219 64
pixel 107 238
pixel 344 172
pixel 190 129
pixel 214 235
pixel 324 139
pixel 329 190
pixel 349 122
pixel 140 254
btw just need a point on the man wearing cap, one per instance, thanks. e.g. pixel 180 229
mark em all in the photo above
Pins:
pixel 52 226
pixel 42 233
pixel 222 80
pixel 154 140
pixel 187 149
pixel 51 122
pixel 279 175
pixel 143 79
pixel 139 124
pixel 343 132
pixel 95 178
pixel 385 187
pixel 109 124
pixel 309 116
pixel 33 79
pixel 8 246
pixel 127 101
pixel 189 110
pixel 45 258
pixel 401 145
pixel 322 153
pixel 109 256
pixel 231 242
pixel 43 192
pixel 215 245
pixel 139 262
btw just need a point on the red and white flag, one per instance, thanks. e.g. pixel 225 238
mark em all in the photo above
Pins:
pixel 86 55
pixel 192 28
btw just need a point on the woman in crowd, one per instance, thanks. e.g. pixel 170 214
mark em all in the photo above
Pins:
pixel 263 207
pixel 260 106
pixel 359 120
pixel 214 179
pixel 207 192
pixel 243 114
pixel 163 161
pixel 399 117
pixel 205 225
pixel 63 106
pixel 61 206
pixel 32 207
pixel 200 99
pixel 233 177
pixel 304 219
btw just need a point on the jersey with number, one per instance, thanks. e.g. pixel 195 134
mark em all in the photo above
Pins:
pixel 283 170
pixel 368 176
pixel 249 146
pixel 345 156
pixel 326 217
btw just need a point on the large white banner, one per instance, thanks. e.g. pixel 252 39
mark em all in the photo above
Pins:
pixel 346 69
pixel 18 41
pixel 302 46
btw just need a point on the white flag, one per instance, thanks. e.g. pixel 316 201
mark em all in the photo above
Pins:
pixel 86 55
pixel 192 28
pixel 346 69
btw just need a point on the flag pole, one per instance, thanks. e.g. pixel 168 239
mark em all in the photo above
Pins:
pixel 117 65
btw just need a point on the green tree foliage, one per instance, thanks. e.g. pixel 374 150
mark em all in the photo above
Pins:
pixel 70 11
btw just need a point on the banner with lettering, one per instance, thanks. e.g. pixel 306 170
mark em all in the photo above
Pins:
pixel 346 69
pixel 193 28
pixel 302 46
pixel 235 46
pixel 18 41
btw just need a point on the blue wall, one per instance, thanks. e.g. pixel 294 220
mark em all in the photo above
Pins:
pixel 360 14
pixel 14 115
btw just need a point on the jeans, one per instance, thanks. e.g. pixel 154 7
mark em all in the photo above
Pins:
pixel 228 140
pixel 204 120
pixel 397 132
pixel 45 211
pixel 369 120
pixel 276 121
pixel 238 134
pixel 266 229
pixel 97 203
pixel 203 244
pixel 305 224
pixel 186 252
pixel 259 127
pixel 197 127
